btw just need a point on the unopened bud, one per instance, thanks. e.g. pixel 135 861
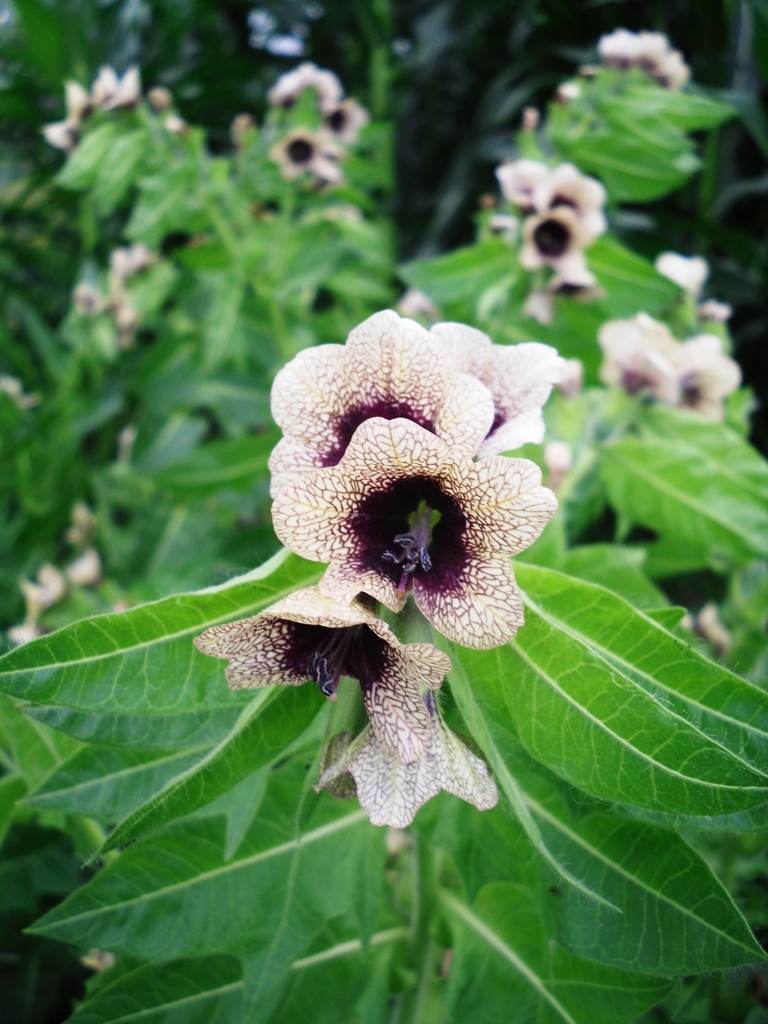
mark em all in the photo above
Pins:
pixel 531 119
pixel 85 571
pixel 160 99
pixel 240 127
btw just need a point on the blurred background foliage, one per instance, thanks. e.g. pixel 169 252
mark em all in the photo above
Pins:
pixel 451 79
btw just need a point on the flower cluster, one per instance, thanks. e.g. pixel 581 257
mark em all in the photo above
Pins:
pixel 316 150
pixel 649 51
pixel 389 471
pixel 108 92
pixel 563 215
pixel 89 300
pixel 642 356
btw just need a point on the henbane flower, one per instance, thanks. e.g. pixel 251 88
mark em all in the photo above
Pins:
pixel 292 84
pixel 302 152
pixel 390 367
pixel 402 511
pixel 519 377
pixel 308 636
pixel 392 792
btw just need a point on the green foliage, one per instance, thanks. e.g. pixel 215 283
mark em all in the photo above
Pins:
pixel 622 870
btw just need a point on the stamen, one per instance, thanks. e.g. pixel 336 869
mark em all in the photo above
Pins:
pixel 327 664
pixel 414 554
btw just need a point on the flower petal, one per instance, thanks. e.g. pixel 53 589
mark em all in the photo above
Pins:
pixel 390 791
pixel 396 710
pixel 462 773
pixel 310 393
pixel 468 349
pixel 484 609
pixel 258 651
pixel 427 665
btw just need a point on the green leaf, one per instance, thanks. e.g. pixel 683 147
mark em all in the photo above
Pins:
pixel 461 275
pixel 34 749
pixel 272 720
pixel 698 485
pixel 166 203
pixel 505 967
pixel 589 705
pixel 235 464
pixel 143 660
pixel 175 895
pixel 109 782
pixel 630 281
pixel 208 989
pixel 618 568
pixel 117 170
pixel 690 111
pixel 83 164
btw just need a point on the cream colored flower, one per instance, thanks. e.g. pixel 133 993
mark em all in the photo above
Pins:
pixel 558 459
pixel 308 636
pixel 518 180
pixel 540 306
pixel 638 356
pixel 390 367
pixel 716 312
pixel 566 186
pixel 568 91
pixel 88 300
pixel 83 525
pixel 649 51
pixel 688 272
pixel 292 84
pixel 175 125
pixel 401 510
pixel 519 377
pixel 85 571
pixel 556 239
pixel 77 100
pixel 49 588
pixel 62 135
pixel 572 378
pixel 111 92
pixel 130 259
pixel 346 120
pixel 531 119
pixel 415 303
pixel 392 792
pixel 24 633
pixel 706 375
pixel 160 99
pixel 14 389
pixel 305 152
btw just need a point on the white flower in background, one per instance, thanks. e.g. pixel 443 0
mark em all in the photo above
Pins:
pixel 160 99
pixel 126 439
pixel 540 306
pixel 518 180
pixel 14 389
pixel 709 625
pixel 557 239
pixel 175 125
pixel 402 511
pixel 716 312
pixel 49 588
pixel 531 119
pixel 506 225
pixel 519 377
pixel 110 92
pixel 241 126
pixel 649 51
pixel 392 792
pixel 687 272
pixel 568 91
pixel 415 303
pixel 85 571
pixel 641 355
pixel 62 135
pixel 305 152
pixel 131 259
pixel 706 375
pixel 88 300
pixel 558 459
pixel 572 378
pixel 638 356
pixel 390 367
pixel 566 186
pixel 83 525
pixel 24 633
pixel 346 120
pixel 308 636
pixel 292 84
pixel 77 100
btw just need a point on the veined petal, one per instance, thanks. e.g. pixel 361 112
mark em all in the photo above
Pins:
pixel 258 651
pixel 525 428
pixel 426 664
pixel 484 608
pixel 396 710
pixel 344 580
pixel 310 393
pixel 468 349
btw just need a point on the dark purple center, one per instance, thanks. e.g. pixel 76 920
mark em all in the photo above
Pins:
pixel 300 151
pixel 551 238
pixel 691 392
pixel 324 655
pixel 412 530
pixel 563 201
pixel 337 121
pixel 634 381
pixel 348 423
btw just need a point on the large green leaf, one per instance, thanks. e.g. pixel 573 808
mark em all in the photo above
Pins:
pixel 143 660
pixel 578 706
pixel 265 728
pixel 698 485
pixel 461 275
pixel 506 967
pixel 220 465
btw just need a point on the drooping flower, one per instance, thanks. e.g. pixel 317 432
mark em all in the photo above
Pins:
pixel 308 636
pixel 392 792
pixel 649 51
pixel 390 367
pixel 110 92
pixel 716 312
pixel 557 239
pixel 688 272
pixel 413 303
pixel 85 571
pixel 305 152
pixel 638 357
pixel 558 459
pixel 519 377
pixel 641 355
pixel 403 511
pixel 346 120
pixel 77 100
pixel 706 375
pixel 292 84
pixel 62 135
pixel 572 378
pixel 518 180
pixel 566 186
